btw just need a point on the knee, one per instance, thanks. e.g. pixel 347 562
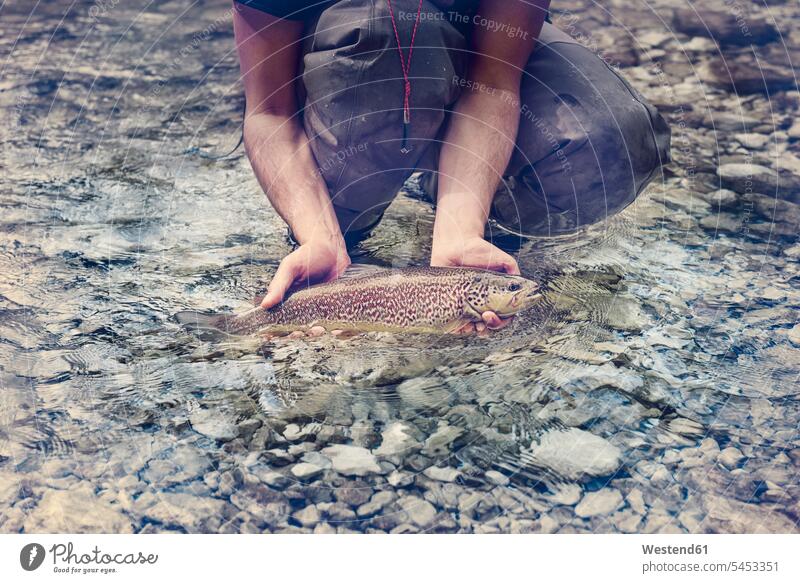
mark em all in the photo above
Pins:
pixel 588 142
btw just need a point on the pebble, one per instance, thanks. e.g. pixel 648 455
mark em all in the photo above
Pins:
pixel 730 457
pixel 794 335
pixel 76 511
pixel 306 471
pixel 746 178
pixel 752 141
pixel 212 424
pixel 439 442
pixel 420 512
pixel 308 516
pixel 566 494
pixel 377 503
pixel 396 440
pixel 441 474
pixel 574 453
pixel 497 478
pixel 635 500
pixel 351 460
pixel 598 503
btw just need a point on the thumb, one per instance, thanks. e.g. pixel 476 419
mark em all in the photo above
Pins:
pixel 283 279
pixel 510 265
pixel 502 261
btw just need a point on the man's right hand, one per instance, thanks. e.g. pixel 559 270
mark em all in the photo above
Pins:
pixel 315 261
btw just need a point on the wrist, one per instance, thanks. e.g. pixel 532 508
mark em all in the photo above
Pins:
pixel 450 230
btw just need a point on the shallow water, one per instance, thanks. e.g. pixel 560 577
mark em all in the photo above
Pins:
pixel 654 390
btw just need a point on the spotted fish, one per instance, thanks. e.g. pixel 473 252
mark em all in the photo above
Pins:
pixel 416 299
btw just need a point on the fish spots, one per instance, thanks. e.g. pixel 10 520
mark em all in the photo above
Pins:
pixel 419 297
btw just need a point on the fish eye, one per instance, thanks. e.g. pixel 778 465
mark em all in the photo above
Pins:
pixel 514 287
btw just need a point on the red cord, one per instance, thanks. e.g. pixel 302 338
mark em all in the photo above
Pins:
pixel 406 65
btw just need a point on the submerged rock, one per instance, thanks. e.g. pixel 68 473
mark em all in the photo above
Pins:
pixel 724 26
pixel 441 474
pixel 351 460
pixel 306 471
pixel 574 453
pixel 439 443
pixel 396 440
pixel 76 512
pixel 419 511
pixel 598 503
pixel 212 424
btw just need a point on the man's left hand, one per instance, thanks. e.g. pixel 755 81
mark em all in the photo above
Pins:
pixel 475 252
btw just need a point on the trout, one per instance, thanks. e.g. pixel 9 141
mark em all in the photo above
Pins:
pixel 416 299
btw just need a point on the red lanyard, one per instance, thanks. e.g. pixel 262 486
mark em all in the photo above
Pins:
pixel 405 65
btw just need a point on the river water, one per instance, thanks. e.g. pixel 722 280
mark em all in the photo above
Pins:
pixel 654 390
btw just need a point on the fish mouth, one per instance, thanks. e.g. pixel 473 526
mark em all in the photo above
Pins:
pixel 524 299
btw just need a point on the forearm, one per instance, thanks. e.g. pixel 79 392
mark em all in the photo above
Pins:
pixel 478 145
pixel 288 173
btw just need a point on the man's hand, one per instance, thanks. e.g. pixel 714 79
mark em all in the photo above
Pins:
pixel 315 261
pixel 452 251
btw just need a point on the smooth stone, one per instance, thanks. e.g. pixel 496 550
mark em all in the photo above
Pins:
pixel 497 478
pixel 794 335
pixel 722 198
pixel 439 442
pixel 211 424
pixel 353 493
pixel 308 516
pixel 419 511
pixel 396 440
pixel 187 510
pixel 377 503
pixel 635 499
pixel 726 26
pixel 351 460
pixel 625 314
pixel 730 457
pixel 424 392
pixel 399 479
pixel 598 503
pixel 272 479
pixel 441 474
pixel 794 131
pixel 76 511
pixel 752 141
pixel 306 471
pixel 744 178
pixel 566 495
pixel 575 452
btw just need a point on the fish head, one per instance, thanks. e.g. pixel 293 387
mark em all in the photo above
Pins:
pixel 500 293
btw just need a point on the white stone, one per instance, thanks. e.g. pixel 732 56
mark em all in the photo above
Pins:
pixel 306 471
pixel 419 511
pixel 351 460
pixel 497 478
pixel 752 141
pixel 439 442
pixel 212 424
pixel 76 511
pixel 574 452
pixel 603 501
pixel 397 440
pixel 730 457
pixel 441 474
pixel 308 516
pixel 794 335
